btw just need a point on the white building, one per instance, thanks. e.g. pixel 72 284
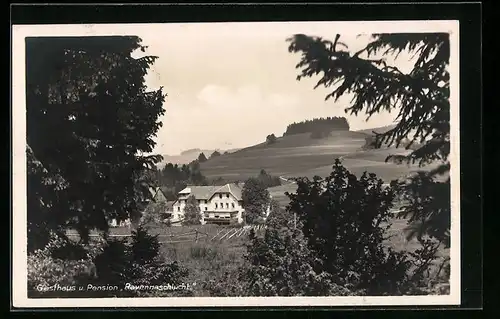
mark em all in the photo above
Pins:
pixel 218 204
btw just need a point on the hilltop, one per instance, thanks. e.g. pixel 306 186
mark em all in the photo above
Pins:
pixel 288 155
pixel 379 130
pixel 299 155
pixel 187 156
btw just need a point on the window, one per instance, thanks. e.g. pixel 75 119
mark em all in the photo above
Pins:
pixel 206 202
pixel 233 205
pixel 227 205
pixel 206 207
pixel 216 205
pixel 178 208
pixel 220 196
pixel 227 195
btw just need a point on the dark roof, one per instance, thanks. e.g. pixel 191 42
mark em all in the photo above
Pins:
pixel 199 192
pixel 170 205
pixel 207 192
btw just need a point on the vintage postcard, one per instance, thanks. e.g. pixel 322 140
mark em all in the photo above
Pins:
pixel 236 164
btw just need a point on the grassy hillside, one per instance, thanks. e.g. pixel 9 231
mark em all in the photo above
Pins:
pixel 302 156
pixel 188 156
pixel 288 156
pixel 381 129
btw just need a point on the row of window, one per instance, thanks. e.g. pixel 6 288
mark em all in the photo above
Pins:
pixel 222 205
pixel 216 206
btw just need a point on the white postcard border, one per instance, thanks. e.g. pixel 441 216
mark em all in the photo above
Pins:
pixel 19 238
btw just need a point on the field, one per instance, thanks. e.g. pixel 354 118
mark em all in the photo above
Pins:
pixel 209 252
pixel 357 162
pixel 288 156
pixel 212 253
pixel 217 252
pixel 301 156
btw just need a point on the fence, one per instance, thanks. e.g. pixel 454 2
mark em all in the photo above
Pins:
pixel 224 234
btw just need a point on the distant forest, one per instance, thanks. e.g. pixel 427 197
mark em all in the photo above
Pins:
pixel 173 178
pixel 327 124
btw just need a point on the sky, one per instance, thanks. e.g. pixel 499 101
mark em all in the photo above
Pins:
pixel 229 85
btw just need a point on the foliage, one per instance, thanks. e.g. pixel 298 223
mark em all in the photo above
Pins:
pixel 268 180
pixel 420 96
pixel 345 221
pixel 281 264
pixel 104 263
pixel 422 191
pixel 219 181
pixel 174 178
pixel 52 268
pixel 155 213
pixel 215 154
pixel 202 158
pixel 279 217
pixel 271 139
pixel 255 199
pixel 322 124
pixel 192 213
pixel 370 143
pixel 84 172
pixel 138 263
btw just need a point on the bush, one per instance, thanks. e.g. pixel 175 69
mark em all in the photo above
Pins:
pixel 256 199
pixel 281 265
pixel 192 213
pixel 59 269
pixel 106 263
pixel 139 263
pixel 278 217
pixel 271 139
pixel 345 221
pixel 268 180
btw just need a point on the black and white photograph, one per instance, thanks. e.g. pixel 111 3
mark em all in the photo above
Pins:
pixel 236 164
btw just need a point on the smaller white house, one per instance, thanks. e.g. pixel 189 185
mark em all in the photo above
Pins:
pixel 220 205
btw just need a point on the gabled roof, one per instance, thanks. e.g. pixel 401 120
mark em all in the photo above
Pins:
pixel 199 192
pixel 207 192
pixel 229 188
pixel 154 192
pixel 170 205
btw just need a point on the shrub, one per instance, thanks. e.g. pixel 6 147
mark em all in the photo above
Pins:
pixel 256 199
pixel 139 263
pixel 268 180
pixel 345 221
pixel 106 263
pixel 278 217
pixel 280 264
pixel 271 139
pixel 54 271
pixel 203 252
pixel 192 213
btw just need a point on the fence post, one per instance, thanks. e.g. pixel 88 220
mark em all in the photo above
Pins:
pixel 196 238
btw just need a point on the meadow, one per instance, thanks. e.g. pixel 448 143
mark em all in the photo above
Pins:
pixel 214 254
pixel 288 156
pixel 302 156
pixel 213 261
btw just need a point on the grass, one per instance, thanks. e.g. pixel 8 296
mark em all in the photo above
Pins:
pixel 211 263
pixel 288 156
pixel 207 262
